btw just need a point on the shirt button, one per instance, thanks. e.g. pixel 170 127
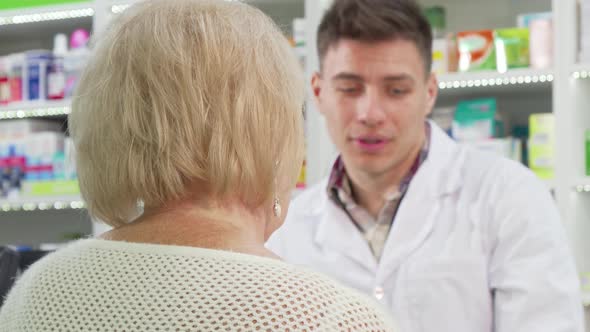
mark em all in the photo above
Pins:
pixel 378 292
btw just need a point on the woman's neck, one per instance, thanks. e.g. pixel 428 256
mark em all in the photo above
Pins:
pixel 229 227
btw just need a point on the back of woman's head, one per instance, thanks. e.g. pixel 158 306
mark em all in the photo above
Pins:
pixel 184 92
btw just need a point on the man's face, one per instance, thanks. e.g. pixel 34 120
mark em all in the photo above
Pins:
pixel 375 98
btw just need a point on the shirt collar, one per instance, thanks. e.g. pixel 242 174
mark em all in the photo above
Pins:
pixel 339 187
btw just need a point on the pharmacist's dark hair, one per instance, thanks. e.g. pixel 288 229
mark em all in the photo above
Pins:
pixel 375 21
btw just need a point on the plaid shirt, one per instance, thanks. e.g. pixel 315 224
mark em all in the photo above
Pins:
pixel 374 230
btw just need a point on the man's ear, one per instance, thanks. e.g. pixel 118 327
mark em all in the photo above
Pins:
pixel 316 88
pixel 431 93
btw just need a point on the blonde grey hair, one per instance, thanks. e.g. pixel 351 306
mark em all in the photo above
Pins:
pixel 180 92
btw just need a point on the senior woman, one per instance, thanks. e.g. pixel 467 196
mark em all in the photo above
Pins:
pixel 192 109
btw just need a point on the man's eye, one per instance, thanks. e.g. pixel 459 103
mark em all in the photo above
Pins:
pixel 397 92
pixel 349 90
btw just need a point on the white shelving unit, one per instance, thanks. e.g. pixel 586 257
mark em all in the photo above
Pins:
pixel 47 13
pixel 581 185
pixel 36 220
pixel 581 71
pixel 34 28
pixel 513 81
pixel 25 110
pixel 42 204
pixel 572 97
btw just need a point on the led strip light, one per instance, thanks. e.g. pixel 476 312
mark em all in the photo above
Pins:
pixel 582 74
pixel 34 112
pixel 499 81
pixel 117 9
pixel 46 16
pixel 583 188
pixel 41 206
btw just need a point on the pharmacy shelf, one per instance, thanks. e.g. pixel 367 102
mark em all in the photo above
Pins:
pixel 46 13
pixel 42 204
pixel 512 81
pixel 24 110
pixel 34 28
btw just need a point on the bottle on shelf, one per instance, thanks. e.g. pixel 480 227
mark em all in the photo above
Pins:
pixel 76 60
pixel 437 17
pixel 17 62
pixel 56 77
pixel 4 82
pixel 37 63
pixel 541 39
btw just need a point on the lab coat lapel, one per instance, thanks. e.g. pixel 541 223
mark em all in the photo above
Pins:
pixel 438 176
pixel 337 232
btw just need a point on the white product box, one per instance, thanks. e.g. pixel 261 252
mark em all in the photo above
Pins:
pixel 509 147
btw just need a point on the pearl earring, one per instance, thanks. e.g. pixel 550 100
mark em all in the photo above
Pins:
pixel 276 207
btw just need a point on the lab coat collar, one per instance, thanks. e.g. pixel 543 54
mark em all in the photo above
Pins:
pixel 441 172
pixel 337 232
pixel 439 175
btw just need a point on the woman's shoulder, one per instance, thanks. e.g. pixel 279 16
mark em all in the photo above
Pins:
pixel 268 290
pixel 293 289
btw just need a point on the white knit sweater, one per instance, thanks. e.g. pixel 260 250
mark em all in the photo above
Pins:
pixel 98 285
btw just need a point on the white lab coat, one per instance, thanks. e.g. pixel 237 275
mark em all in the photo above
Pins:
pixel 477 245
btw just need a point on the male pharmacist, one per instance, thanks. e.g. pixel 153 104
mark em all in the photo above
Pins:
pixel 448 238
